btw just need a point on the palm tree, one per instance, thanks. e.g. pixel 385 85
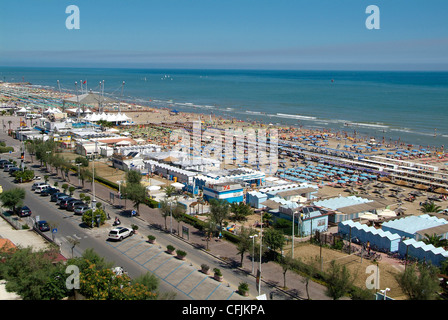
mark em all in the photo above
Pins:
pixel 435 240
pixel 169 190
pixel 430 207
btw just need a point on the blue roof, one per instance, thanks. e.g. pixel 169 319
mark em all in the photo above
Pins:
pixel 341 202
pixel 413 224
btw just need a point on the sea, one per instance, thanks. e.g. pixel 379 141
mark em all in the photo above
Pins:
pixel 409 107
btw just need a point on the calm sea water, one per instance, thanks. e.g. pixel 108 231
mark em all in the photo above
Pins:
pixel 411 106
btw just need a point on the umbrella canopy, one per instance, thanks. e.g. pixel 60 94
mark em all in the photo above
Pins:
pixel 421 187
pixel 401 183
pixel 441 190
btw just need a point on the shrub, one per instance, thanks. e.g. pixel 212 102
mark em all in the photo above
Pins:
pixel 170 248
pixel 181 253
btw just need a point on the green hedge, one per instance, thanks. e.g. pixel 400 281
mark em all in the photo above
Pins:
pixel 6 149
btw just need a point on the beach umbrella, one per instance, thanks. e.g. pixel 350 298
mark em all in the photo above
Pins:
pixel 441 190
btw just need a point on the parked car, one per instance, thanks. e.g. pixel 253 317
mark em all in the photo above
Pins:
pixel 23 211
pixel 39 189
pixel 73 204
pixel 55 196
pixel 64 202
pixel 7 166
pixel 13 169
pixel 81 209
pixel 37 184
pixel 62 197
pixel 48 191
pixel 3 162
pixel 43 226
pixel 119 233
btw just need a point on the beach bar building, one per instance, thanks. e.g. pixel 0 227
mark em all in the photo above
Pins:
pixel 348 208
pixel 231 192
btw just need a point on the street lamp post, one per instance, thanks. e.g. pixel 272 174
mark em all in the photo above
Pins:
pixel 253 251
pixel 119 191
pixel 79 175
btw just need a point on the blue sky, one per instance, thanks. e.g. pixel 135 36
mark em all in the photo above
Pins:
pixel 284 34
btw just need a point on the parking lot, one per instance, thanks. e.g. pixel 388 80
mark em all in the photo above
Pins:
pixel 180 274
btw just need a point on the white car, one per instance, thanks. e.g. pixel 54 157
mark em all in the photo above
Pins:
pixel 119 233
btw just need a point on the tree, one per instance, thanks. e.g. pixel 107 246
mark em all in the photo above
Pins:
pixel 169 190
pixel 13 198
pixel 274 239
pixel 240 211
pixel 27 272
pixel 83 161
pixel 65 187
pixel 24 176
pixel 90 217
pixel 104 284
pixel 219 210
pixel 435 240
pixel 419 282
pixel 71 189
pixel 133 177
pixel 339 281
pixel 245 244
pixel 287 263
pixel 178 213
pixel 165 209
pixel 135 192
pixel 430 207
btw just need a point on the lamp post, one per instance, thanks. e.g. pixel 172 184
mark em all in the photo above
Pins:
pixel 253 251
pixel 79 175
pixel 119 191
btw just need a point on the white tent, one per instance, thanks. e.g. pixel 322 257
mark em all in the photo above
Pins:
pixel 177 185
pixel 387 213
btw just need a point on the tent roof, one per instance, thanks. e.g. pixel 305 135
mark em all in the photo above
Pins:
pixel 89 98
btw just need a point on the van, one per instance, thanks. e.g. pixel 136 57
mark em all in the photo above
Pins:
pixel 39 189
pixel 37 184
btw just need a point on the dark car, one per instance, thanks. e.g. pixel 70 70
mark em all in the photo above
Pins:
pixel 73 204
pixel 55 196
pixel 23 211
pixel 43 226
pixel 81 209
pixel 3 162
pixel 49 191
pixel 64 202
pixel 13 169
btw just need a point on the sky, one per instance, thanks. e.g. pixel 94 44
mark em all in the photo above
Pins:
pixel 261 34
